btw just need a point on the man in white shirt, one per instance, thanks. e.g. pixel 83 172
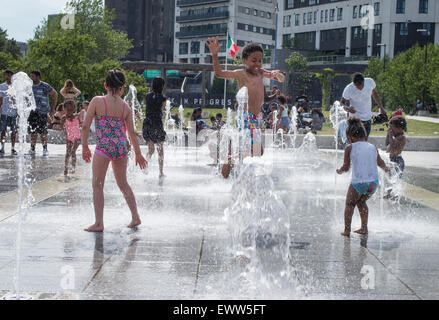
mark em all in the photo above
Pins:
pixel 360 93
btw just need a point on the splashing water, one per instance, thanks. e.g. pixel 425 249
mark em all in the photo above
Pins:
pixel 131 100
pixel 259 225
pixel 22 98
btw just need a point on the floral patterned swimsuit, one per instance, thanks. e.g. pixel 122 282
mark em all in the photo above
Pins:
pixel 111 139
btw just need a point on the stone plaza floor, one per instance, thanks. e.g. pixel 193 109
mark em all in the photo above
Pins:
pixel 182 250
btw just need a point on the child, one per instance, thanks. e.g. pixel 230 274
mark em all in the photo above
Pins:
pixel 252 78
pixel 153 131
pixel 72 124
pixel 364 158
pixel 111 113
pixel 284 119
pixel 56 120
pixel 396 142
pixel 69 91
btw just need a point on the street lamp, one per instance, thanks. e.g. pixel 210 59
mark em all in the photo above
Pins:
pixel 385 46
pixel 276 12
pixel 425 32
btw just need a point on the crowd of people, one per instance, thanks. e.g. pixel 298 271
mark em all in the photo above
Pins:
pixel 110 118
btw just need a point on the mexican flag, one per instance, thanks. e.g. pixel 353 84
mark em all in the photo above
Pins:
pixel 231 45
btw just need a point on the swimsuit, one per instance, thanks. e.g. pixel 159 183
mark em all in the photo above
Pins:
pixel 72 129
pixel 111 139
pixel 366 189
pixel 251 126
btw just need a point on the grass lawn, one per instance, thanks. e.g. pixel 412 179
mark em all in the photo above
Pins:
pixel 415 128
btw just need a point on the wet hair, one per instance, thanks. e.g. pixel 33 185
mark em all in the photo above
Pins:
pixel 9 72
pixel 68 103
pixel 399 122
pixel 356 128
pixel 358 78
pixel 37 73
pixel 282 99
pixel 251 48
pixel 115 80
pixel 157 85
pixel 219 115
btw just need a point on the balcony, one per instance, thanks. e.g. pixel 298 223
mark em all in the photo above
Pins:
pixel 334 59
pixel 201 31
pixel 190 3
pixel 205 16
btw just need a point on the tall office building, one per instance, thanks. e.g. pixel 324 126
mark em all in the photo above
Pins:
pixel 150 24
pixel 336 26
pixel 197 20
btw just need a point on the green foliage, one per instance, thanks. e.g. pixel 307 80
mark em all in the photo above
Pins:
pixel 10 56
pixel 297 65
pixel 84 54
pixel 326 79
pixel 218 86
pixel 406 77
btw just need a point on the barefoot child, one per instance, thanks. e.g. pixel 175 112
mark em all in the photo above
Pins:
pixel 396 142
pixel 252 78
pixel 111 113
pixel 153 131
pixel 365 160
pixel 72 125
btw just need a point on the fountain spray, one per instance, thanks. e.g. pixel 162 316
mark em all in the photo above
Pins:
pixel 22 99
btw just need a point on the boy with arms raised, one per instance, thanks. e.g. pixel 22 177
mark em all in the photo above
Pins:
pixel 251 77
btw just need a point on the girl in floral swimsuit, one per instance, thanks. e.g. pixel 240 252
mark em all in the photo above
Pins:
pixel 110 114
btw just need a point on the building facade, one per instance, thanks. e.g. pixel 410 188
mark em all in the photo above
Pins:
pixel 149 24
pixel 357 27
pixel 244 20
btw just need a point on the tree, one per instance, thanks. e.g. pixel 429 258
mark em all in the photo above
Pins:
pixel 83 54
pixel 297 65
pixel 9 46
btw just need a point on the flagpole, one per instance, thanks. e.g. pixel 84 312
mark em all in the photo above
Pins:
pixel 225 80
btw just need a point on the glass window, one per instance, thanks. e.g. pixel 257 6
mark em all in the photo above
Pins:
pixel 360 11
pixel 255 12
pixel 340 14
pixel 400 6
pixel 326 15
pixel 309 18
pixel 427 26
pixel 404 29
pixel 321 16
pixel 183 48
pixel 332 15
pixel 289 4
pixel 262 14
pixel 315 17
pixel 355 12
pixel 376 7
pixel 268 15
pixel 423 6
pixel 195 47
pixel 304 18
pixel 297 18
pixel 247 10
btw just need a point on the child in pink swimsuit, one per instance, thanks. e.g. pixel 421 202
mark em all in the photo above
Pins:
pixel 72 125
pixel 111 114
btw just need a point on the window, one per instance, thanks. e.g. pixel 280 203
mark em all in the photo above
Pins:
pixel 195 47
pixel 376 8
pixel 427 26
pixel 311 2
pixel 246 27
pixel 255 12
pixel 340 14
pixel 309 18
pixel 287 21
pixel 247 10
pixel 355 13
pixel 289 4
pixel 400 6
pixel 183 48
pixel 268 15
pixel 332 15
pixel 423 6
pixel 326 15
pixel 321 16
pixel 297 19
pixel 315 17
pixel 262 14
pixel 404 29
pixel 304 18
pixel 255 29
pixel 360 11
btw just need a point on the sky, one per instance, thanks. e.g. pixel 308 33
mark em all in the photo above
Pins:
pixel 21 17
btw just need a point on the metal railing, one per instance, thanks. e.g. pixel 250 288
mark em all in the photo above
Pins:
pixel 336 59
pixel 203 17
pixel 205 32
pixel 188 3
